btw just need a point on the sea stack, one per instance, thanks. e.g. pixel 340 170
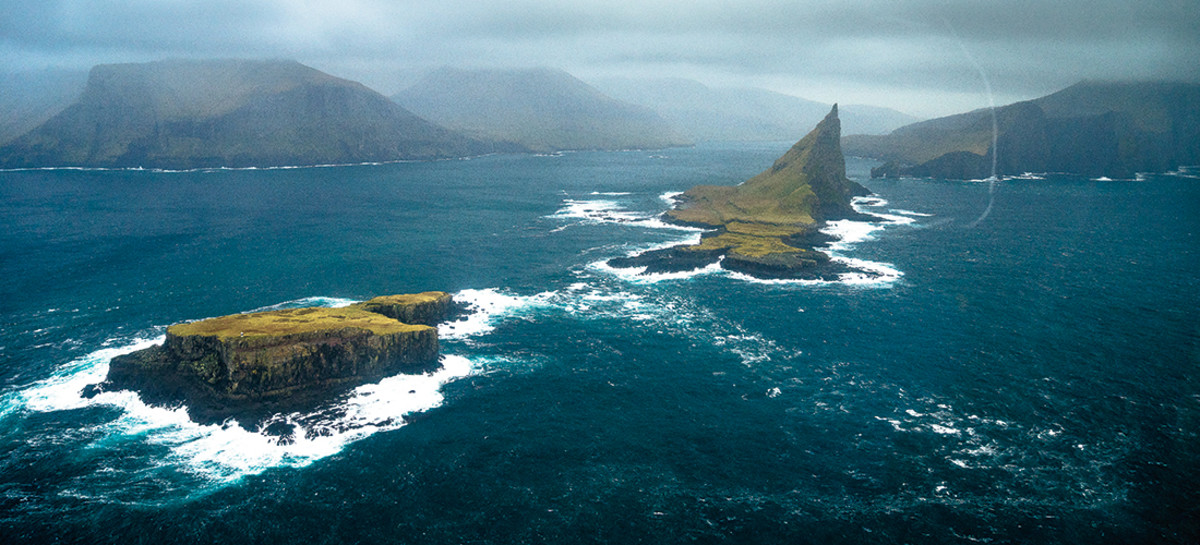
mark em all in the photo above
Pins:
pixel 768 225
pixel 237 365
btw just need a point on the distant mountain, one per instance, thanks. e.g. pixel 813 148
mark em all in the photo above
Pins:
pixel 742 114
pixel 29 98
pixel 1091 128
pixel 540 109
pixel 237 113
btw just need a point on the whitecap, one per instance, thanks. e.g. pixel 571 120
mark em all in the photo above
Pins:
pixel 638 274
pixel 318 301
pixel 910 213
pixel 484 307
pixel 228 451
pixel 600 211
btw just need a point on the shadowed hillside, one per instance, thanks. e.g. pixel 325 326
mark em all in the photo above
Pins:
pixel 539 109
pixel 1091 128
pixel 703 113
pixel 236 113
pixel 28 99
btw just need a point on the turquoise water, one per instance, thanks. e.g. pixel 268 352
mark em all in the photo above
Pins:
pixel 1030 378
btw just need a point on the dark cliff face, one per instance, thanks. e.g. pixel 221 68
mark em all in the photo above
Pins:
pixel 193 114
pixel 246 364
pixel 1094 129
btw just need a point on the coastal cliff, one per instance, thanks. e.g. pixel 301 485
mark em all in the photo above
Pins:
pixel 1090 129
pixel 278 360
pixel 426 308
pixel 186 114
pixel 769 225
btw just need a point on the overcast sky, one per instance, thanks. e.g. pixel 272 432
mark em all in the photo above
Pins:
pixel 924 57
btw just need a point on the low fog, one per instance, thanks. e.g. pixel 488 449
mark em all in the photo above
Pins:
pixel 922 57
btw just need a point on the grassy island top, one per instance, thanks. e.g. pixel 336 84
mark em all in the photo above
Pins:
pixel 407 298
pixel 291 322
pixel 761 216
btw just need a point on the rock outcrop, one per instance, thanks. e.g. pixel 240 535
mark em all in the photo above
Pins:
pixel 426 308
pixel 278 360
pixel 769 225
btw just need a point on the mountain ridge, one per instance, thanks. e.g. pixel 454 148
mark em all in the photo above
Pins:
pixel 1092 128
pixel 541 109
pixel 228 113
pixel 706 113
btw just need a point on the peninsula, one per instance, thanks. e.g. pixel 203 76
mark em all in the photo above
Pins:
pixel 769 225
pixel 244 364
pixel 1093 128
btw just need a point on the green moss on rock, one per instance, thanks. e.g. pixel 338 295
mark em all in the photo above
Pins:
pixel 222 365
pixel 426 308
pixel 766 225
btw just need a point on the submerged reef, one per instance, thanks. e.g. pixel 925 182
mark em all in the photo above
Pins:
pixel 234 366
pixel 769 225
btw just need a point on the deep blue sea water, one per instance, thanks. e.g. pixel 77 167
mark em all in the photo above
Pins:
pixel 1029 377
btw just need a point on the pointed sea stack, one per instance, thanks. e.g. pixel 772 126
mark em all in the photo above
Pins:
pixel 245 365
pixel 768 225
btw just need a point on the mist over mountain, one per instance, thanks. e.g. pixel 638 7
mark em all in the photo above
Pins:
pixel 209 113
pixel 540 109
pixel 749 114
pixel 1091 128
pixel 29 98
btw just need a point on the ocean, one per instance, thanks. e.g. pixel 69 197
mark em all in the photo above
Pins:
pixel 1016 361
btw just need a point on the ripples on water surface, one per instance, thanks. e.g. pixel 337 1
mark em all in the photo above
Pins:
pixel 1028 379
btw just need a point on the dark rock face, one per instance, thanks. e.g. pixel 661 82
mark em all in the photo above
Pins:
pixel 228 113
pixel 668 260
pixel 243 365
pixel 428 308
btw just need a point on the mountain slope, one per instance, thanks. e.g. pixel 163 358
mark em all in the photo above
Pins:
pixel 236 113
pixel 742 114
pixel 1091 128
pixel 540 109
pixel 28 99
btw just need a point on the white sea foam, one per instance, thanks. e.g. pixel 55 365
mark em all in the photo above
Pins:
pixel 910 213
pixel 331 302
pixel 847 232
pixel 484 308
pixel 639 275
pixel 1182 172
pixel 599 211
pixel 226 452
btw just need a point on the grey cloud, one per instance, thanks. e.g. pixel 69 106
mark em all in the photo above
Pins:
pixel 1026 47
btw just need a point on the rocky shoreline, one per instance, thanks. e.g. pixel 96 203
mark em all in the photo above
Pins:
pixel 770 225
pixel 245 365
